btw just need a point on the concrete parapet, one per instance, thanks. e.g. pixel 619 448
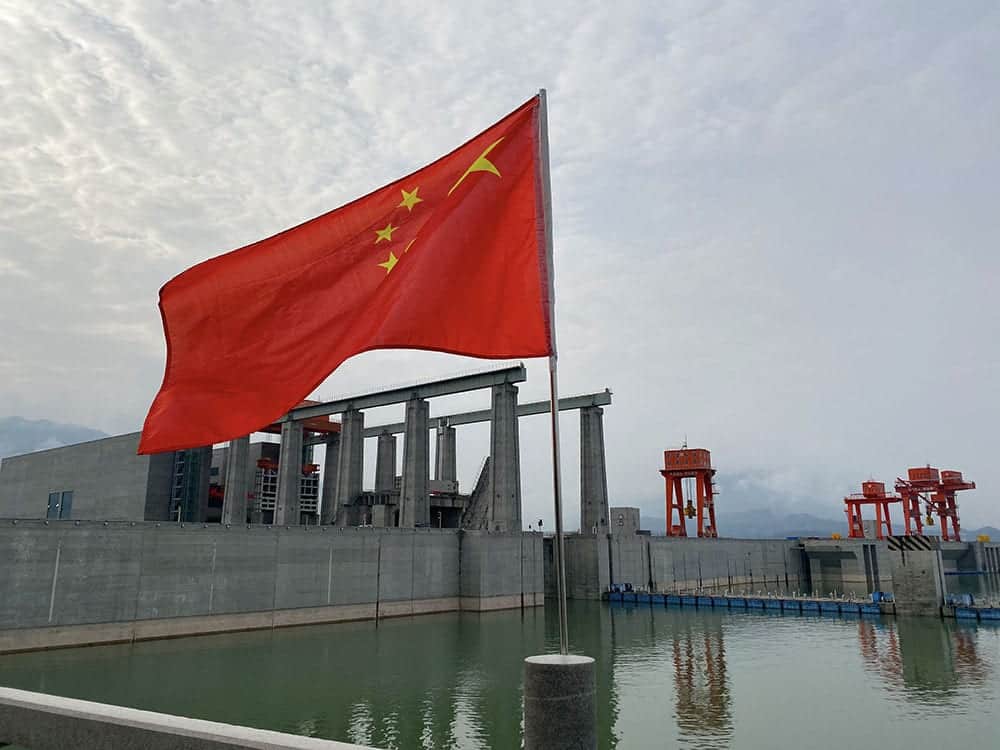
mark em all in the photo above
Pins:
pixel 48 722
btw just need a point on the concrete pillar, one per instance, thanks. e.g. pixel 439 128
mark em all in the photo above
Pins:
pixel 593 472
pixel 203 479
pixel 328 509
pixel 234 504
pixel 414 505
pixel 505 461
pixel 286 511
pixel 351 464
pixel 385 463
pixel 917 579
pixel 560 708
pixel 445 459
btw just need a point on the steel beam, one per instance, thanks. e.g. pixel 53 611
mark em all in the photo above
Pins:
pixel 445 387
pixel 570 403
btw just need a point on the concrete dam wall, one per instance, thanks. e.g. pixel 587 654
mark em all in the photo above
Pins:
pixel 670 563
pixel 72 583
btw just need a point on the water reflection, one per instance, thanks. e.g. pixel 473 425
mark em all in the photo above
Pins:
pixel 925 660
pixel 687 678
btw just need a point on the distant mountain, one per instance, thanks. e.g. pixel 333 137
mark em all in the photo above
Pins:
pixel 19 435
pixel 763 523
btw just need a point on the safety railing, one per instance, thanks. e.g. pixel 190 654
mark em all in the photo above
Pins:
pixel 46 722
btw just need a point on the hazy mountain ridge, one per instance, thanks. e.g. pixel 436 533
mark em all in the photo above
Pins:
pixel 19 435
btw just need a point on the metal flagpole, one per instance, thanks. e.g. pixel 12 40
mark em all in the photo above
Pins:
pixel 560 553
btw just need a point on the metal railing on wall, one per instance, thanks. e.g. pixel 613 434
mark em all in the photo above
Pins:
pixel 37 721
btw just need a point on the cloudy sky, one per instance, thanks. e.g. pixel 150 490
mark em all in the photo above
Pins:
pixel 775 222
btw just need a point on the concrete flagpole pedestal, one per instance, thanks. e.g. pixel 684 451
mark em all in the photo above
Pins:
pixel 560 709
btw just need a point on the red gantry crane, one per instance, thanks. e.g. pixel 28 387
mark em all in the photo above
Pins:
pixel 936 489
pixel 689 463
pixel 872 493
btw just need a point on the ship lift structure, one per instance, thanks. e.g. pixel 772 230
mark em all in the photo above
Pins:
pixel 693 464
pixel 924 494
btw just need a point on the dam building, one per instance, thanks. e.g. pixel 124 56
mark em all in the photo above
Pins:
pixel 281 483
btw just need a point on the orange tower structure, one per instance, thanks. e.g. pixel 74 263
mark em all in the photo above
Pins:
pixel 872 493
pixel 937 491
pixel 689 463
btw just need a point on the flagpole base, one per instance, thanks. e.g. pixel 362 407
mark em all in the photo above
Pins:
pixel 560 710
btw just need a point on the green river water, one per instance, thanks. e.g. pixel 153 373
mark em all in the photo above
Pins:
pixel 666 678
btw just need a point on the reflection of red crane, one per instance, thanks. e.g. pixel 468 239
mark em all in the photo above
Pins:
pixel 703 703
pixel 937 491
pixel 872 493
pixel 689 463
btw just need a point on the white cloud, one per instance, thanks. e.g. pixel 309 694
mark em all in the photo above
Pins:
pixel 774 223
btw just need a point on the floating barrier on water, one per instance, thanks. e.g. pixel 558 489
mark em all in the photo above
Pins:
pixel 881 604
pixel 797 605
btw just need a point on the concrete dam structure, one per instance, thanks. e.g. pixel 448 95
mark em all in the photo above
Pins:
pixel 80 583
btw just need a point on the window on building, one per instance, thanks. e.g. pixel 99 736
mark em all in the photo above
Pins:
pixel 60 504
pixel 53 511
pixel 66 504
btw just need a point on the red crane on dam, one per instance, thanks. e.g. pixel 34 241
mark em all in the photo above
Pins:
pixel 693 464
pixel 936 490
pixel 872 493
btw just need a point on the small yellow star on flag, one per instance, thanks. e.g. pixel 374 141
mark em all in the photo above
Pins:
pixel 410 199
pixel 385 234
pixel 389 264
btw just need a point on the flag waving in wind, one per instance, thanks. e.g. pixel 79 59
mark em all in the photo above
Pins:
pixel 451 258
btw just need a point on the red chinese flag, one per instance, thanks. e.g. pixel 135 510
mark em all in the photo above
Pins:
pixel 451 258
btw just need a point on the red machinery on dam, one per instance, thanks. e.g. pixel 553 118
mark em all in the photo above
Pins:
pixel 924 485
pixel 691 464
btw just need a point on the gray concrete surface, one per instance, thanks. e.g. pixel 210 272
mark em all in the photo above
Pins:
pixel 385 462
pixel 624 521
pixel 286 509
pixel 236 480
pixel 593 472
pixel 414 504
pixel 328 500
pixel 560 709
pixel 107 478
pixel 48 722
pixel 504 510
pixel 445 456
pixel 65 583
pixel 350 465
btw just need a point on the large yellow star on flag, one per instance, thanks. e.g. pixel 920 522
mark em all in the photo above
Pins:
pixel 385 234
pixel 390 263
pixel 410 199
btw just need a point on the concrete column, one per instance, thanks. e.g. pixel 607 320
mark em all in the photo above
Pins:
pixel 918 581
pixel 593 472
pixel 505 461
pixel 328 509
pixel 203 480
pixel 445 460
pixel 560 708
pixel 414 505
pixel 351 464
pixel 385 463
pixel 286 512
pixel 234 504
